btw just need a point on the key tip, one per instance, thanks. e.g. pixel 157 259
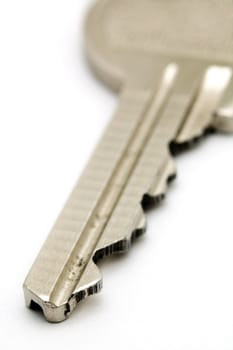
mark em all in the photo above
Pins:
pixel 51 312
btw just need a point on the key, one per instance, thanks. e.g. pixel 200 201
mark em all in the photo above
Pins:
pixel 171 64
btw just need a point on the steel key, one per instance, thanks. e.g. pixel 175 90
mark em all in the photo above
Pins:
pixel 171 63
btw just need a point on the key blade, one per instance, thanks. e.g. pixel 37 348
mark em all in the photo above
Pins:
pixel 54 280
pixel 104 213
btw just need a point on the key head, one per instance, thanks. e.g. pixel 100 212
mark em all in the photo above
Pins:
pixel 119 31
pixel 129 41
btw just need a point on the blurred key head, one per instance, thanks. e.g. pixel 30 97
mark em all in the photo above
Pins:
pixel 123 35
pixel 201 29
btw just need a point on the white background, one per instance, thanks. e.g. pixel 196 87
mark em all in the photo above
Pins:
pixel 174 290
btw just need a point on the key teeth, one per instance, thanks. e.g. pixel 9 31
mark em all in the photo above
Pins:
pixel 183 144
pixel 90 284
pixel 123 245
pixel 158 190
pixel 117 247
pixel 177 147
pixel 83 294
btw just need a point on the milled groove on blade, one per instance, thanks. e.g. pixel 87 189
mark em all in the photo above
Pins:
pixel 65 272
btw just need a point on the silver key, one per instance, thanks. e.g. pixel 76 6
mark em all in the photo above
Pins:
pixel 171 63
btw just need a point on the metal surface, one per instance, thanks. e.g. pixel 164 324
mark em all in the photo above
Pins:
pixel 171 63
